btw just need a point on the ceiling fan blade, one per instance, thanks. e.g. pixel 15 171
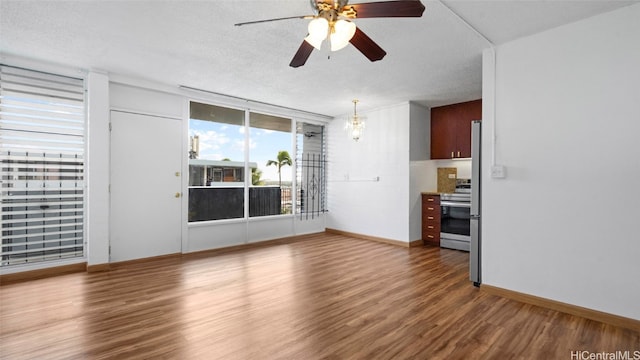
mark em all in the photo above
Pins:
pixel 301 55
pixel 276 19
pixel 401 8
pixel 367 46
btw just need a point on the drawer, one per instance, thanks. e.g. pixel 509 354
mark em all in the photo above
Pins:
pixel 431 199
pixel 431 227
pixel 430 237
pixel 431 216
pixel 426 208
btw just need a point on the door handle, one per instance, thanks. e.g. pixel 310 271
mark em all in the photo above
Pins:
pixel 177 195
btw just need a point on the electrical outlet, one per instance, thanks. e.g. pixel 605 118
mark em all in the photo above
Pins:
pixel 498 172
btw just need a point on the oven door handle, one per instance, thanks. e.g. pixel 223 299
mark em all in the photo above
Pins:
pixel 455 204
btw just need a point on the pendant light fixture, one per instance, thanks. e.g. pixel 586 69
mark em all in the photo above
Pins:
pixel 355 123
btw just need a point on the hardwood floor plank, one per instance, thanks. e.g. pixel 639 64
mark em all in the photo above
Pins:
pixel 326 296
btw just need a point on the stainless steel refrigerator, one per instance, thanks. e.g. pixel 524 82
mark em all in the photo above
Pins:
pixel 476 243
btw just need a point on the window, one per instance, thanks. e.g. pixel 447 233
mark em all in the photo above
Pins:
pixel 216 162
pixel 270 151
pixel 310 170
pixel 42 120
pixel 239 168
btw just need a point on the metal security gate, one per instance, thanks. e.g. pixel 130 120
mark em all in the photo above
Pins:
pixel 312 185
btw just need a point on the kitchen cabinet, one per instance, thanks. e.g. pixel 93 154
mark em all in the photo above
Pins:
pixel 451 129
pixel 431 219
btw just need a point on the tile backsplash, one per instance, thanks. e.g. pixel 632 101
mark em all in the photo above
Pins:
pixel 425 172
pixel 446 182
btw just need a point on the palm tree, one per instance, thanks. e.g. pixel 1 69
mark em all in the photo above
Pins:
pixel 283 159
pixel 256 174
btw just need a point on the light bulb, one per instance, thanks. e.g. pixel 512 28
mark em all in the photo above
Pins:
pixel 355 134
pixel 318 29
pixel 342 32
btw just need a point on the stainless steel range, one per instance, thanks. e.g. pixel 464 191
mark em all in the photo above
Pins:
pixel 455 217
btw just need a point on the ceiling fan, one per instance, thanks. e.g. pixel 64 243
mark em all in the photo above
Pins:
pixel 332 20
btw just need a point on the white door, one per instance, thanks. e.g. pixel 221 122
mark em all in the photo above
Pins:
pixel 146 163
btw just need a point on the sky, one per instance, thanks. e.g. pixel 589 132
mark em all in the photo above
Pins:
pixel 219 141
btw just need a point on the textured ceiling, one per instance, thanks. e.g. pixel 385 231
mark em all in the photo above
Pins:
pixel 433 60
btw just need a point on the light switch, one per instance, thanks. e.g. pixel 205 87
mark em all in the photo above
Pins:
pixel 498 172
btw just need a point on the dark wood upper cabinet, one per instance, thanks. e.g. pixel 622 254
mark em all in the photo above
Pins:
pixel 451 129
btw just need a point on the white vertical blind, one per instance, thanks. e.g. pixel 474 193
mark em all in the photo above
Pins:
pixel 42 127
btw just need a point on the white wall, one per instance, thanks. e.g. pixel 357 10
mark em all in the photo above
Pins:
pixel 356 202
pixel 419 132
pixel 563 225
pixel 97 218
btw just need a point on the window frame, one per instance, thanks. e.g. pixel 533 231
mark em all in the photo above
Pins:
pixel 269 111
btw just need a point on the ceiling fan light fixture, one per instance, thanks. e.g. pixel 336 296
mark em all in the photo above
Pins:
pixel 332 19
pixel 341 33
pixel 318 30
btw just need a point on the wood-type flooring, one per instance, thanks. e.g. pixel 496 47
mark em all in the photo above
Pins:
pixel 324 296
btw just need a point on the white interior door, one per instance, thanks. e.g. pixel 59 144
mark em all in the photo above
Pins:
pixel 146 165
